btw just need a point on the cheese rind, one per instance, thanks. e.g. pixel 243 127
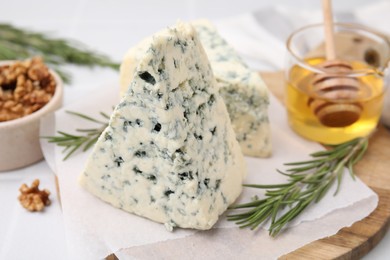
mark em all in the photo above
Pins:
pixel 169 153
pixel 243 91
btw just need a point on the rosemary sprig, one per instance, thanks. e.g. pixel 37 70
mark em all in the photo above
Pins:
pixel 16 43
pixel 72 143
pixel 308 182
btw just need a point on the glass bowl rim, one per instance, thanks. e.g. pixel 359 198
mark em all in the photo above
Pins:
pixel 351 26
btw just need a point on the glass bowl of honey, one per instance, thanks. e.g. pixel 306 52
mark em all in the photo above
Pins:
pixel 334 101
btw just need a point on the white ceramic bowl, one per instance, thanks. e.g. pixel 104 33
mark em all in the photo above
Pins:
pixel 19 138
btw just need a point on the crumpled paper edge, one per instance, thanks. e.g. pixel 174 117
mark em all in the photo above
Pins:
pixel 244 249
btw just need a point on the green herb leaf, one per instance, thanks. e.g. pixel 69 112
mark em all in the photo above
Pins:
pixel 19 44
pixel 72 143
pixel 308 182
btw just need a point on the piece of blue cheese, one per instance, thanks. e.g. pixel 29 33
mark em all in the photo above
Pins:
pixel 169 153
pixel 243 90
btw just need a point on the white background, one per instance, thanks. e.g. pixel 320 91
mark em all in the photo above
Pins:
pixel 110 27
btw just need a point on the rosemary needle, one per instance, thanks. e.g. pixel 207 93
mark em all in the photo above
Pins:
pixel 17 43
pixel 308 182
pixel 84 141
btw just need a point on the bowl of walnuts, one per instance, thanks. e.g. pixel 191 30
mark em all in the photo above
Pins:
pixel 29 90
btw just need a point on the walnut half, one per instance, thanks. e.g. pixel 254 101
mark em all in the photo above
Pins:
pixel 32 198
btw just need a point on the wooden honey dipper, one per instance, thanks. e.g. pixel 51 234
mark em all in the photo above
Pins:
pixel 334 84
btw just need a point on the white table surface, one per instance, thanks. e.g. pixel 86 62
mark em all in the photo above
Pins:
pixel 110 27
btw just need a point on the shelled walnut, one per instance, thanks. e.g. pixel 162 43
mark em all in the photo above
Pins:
pixel 25 87
pixel 32 198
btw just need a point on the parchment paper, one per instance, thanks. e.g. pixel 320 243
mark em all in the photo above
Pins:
pixel 95 229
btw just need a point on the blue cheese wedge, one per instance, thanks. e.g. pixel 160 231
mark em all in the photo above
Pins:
pixel 243 91
pixel 169 153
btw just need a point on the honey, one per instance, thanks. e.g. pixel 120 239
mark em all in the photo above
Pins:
pixel 359 116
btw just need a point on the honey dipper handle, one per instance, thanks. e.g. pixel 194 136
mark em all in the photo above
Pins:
pixel 328 26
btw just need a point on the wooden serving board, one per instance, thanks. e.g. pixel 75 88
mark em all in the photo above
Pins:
pixel 374 170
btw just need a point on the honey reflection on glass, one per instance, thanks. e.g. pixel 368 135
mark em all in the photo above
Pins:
pixel 310 110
